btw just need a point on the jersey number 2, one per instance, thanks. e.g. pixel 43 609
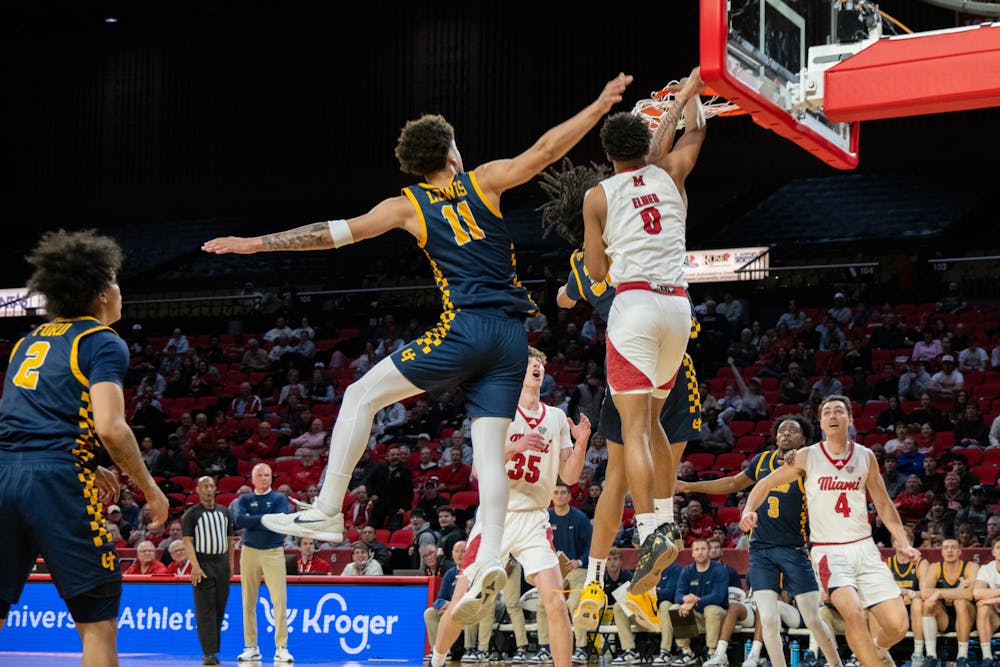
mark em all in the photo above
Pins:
pixel 27 372
pixel 841 506
pixel 526 468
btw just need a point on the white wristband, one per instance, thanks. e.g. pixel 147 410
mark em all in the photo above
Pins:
pixel 700 122
pixel 340 232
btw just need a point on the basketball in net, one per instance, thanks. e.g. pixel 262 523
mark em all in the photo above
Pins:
pixel 659 102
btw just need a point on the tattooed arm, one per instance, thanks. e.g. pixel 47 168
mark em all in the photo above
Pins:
pixel 388 214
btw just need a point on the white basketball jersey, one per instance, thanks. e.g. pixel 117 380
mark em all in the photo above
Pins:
pixel 532 475
pixel 645 227
pixel 836 494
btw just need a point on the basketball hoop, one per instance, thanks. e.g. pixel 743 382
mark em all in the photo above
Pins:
pixel 653 108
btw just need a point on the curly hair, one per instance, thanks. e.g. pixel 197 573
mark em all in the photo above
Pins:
pixel 804 426
pixel 423 144
pixel 566 186
pixel 625 136
pixel 71 269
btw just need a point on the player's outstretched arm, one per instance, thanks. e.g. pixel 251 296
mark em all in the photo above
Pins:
pixel 686 104
pixel 501 175
pixel 388 214
pixel 786 474
pixel 595 213
pixel 563 300
pixel 730 484
pixel 886 509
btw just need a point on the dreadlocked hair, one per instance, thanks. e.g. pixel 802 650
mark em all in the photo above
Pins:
pixel 566 185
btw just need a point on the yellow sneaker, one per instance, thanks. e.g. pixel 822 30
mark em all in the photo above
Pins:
pixel 644 610
pixel 588 612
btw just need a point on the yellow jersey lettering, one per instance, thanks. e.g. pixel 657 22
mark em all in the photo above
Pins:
pixel 27 372
pixel 782 489
pixel 53 329
pixel 408 355
pixel 463 234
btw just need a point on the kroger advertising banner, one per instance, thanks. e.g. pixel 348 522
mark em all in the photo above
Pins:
pixel 718 266
pixel 350 622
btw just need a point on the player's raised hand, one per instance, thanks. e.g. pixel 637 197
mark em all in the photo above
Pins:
pixel 531 441
pixel 160 505
pixel 748 521
pixel 912 553
pixel 612 93
pixel 581 431
pixel 682 486
pixel 231 244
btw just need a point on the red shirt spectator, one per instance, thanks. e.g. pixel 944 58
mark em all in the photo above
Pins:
pixel 146 562
pixel 307 562
pixel 912 502
pixel 357 508
pixel 454 476
pixel 701 525
pixel 307 470
pixel 261 445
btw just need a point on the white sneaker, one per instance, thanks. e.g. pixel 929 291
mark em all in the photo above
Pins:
pixel 751 662
pixel 485 583
pixel 281 655
pixel 307 522
pixel 250 654
pixel 717 661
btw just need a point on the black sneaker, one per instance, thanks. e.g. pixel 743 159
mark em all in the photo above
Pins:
pixel 657 552
pixel 808 659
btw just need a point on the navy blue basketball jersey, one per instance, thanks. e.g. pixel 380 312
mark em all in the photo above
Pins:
pixel 782 519
pixel 942 578
pixel 469 247
pixel 905 574
pixel 580 286
pixel 46 397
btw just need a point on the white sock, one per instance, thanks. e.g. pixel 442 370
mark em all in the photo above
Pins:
pixel 645 524
pixel 963 649
pixel 488 437
pixel 720 648
pixel 813 644
pixel 930 635
pixel 663 508
pixel 755 649
pixel 595 570
pixel 437 659
pixel 983 646
pixel 918 646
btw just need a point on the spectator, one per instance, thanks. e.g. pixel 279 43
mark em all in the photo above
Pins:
pixel 279 329
pixel 255 358
pixel 314 439
pixel 927 413
pixel 977 512
pixel 938 525
pixel 894 481
pixel 390 487
pixel 456 439
pixel 429 501
pixel 913 503
pixel 909 461
pixel 966 537
pixel 307 561
pixel 953 300
pixel 928 349
pixel 178 341
pixel 173 460
pixel 914 381
pixel 282 353
pixel 179 565
pixel 995 433
pixel 700 523
pixel 732 309
pixel 152 382
pixel 588 397
pixel 263 444
pixel 307 470
pixel 454 476
pixel 145 561
pixel 753 406
pixel 946 382
pixel 389 422
pixel 888 336
pixel 304 347
pixel 887 384
pixel 794 318
pixel 221 462
pixel 589 505
pixel 450 531
pixel 840 311
pixel 830 334
pixel 933 480
pixel 794 388
pixel 827 385
pixel 716 435
pixel 927 439
pixel 319 389
pixel 596 454
pixel 423 534
pixel 431 564
pixel 743 352
pixel 971 430
pixel 368 536
pixel 363 562
pixel 246 403
pixel 861 390
pixel 893 414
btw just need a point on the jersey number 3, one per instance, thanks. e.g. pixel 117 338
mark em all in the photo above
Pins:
pixel 27 372
pixel 526 468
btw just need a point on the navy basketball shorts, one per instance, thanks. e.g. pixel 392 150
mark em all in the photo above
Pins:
pixel 49 506
pixel 780 568
pixel 483 350
pixel 680 415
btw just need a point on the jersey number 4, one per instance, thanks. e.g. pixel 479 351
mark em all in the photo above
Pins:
pixel 842 507
pixel 27 372
pixel 526 468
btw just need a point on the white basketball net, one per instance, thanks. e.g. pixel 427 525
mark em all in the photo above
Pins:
pixel 656 106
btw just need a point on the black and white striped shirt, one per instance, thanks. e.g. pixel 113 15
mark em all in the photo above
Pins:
pixel 210 529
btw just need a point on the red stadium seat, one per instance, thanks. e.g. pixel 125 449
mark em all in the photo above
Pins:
pixel 701 460
pixel 463 500
pixel 729 461
pixel 231 483
pixel 727 515
pixel 972 454
pixel 991 457
pixel 750 444
pixel 739 427
pixel 401 539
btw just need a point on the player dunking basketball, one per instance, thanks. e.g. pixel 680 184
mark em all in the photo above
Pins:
pixel 634 234
pixel 680 414
pixel 838 473
pixel 479 341
pixel 539 453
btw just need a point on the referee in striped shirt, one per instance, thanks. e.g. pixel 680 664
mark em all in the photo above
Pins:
pixel 207 530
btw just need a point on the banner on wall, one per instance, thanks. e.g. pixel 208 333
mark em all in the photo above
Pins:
pixel 718 266
pixel 350 622
pixel 15 302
